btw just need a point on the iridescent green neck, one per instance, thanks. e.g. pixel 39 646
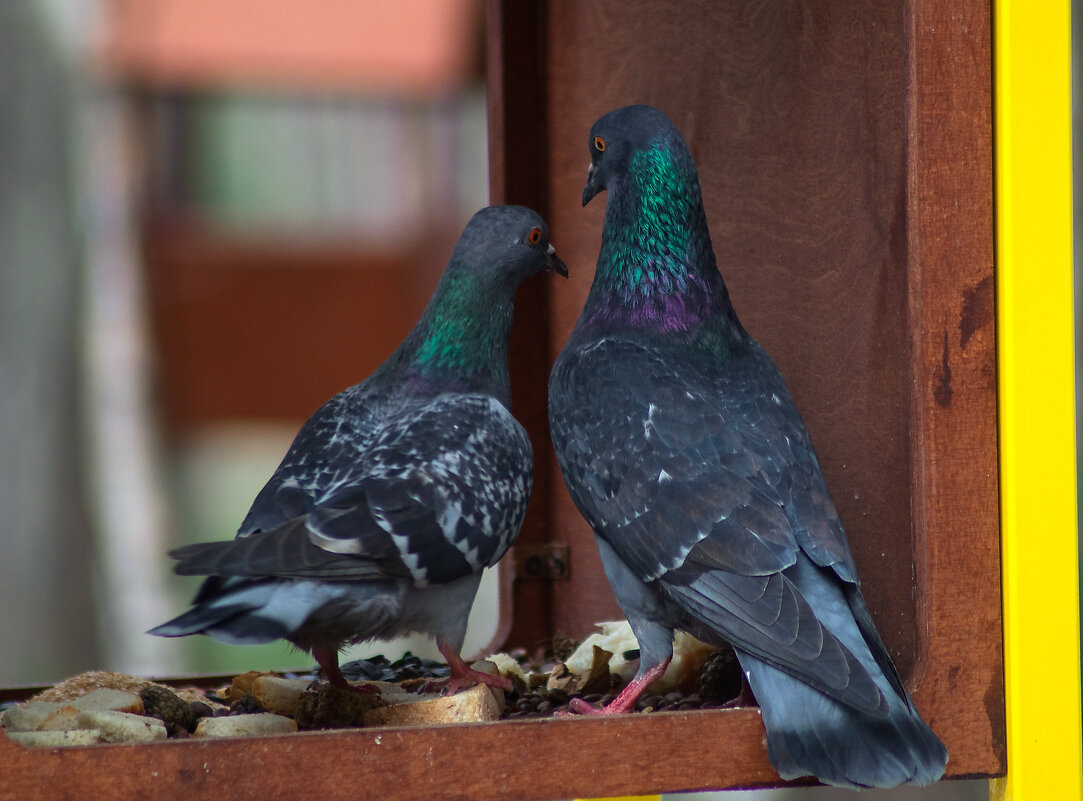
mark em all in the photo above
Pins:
pixel 656 266
pixel 461 340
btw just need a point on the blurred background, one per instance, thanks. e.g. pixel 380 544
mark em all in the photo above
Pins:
pixel 213 217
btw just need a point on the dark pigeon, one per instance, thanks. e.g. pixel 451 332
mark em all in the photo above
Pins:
pixel 397 492
pixel 683 449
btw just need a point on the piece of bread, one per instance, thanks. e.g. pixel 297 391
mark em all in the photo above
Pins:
pixel 253 725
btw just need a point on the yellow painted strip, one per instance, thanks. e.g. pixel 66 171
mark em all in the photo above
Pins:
pixel 1032 47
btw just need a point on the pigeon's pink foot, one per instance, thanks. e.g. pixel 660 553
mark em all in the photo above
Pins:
pixel 463 676
pixel 328 659
pixel 626 700
pixel 577 706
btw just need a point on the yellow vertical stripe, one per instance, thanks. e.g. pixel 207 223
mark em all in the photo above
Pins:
pixel 1032 46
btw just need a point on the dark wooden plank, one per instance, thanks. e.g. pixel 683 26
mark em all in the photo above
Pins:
pixel 518 174
pixel 543 759
pixel 960 674
pixel 796 118
pixel 516 82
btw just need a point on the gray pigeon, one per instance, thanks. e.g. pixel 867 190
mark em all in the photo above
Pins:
pixel 683 449
pixel 398 491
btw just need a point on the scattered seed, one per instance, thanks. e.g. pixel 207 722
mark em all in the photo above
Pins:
pixel 558 697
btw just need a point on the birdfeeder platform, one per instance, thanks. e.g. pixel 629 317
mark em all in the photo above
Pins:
pixel 846 158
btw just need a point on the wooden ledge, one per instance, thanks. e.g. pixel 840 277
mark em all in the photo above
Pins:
pixel 523 759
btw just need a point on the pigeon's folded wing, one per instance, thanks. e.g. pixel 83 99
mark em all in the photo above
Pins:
pixel 436 496
pixel 692 487
pixel 690 461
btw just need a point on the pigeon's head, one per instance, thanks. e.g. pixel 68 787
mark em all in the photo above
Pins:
pixel 616 138
pixel 505 244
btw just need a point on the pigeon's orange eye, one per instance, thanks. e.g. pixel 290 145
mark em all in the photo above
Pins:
pixel 599 144
pixel 534 237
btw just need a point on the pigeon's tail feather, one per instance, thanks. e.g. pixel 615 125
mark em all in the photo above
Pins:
pixel 234 611
pixel 233 625
pixel 242 611
pixel 809 733
pixel 832 702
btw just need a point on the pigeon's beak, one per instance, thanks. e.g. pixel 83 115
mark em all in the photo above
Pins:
pixel 592 188
pixel 553 262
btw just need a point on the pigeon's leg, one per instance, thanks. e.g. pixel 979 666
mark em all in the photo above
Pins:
pixel 463 675
pixel 647 617
pixel 328 659
pixel 626 700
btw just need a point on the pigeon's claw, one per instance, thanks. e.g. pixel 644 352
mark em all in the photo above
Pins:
pixel 463 676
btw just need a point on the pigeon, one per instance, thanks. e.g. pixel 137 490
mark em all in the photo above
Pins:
pixel 683 449
pixel 398 491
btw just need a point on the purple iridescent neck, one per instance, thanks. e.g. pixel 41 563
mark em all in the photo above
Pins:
pixel 656 268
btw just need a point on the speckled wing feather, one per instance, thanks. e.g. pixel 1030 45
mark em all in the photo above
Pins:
pixel 433 493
